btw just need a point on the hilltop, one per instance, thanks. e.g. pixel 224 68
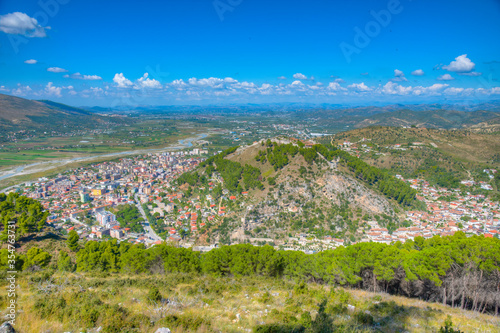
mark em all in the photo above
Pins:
pixel 290 189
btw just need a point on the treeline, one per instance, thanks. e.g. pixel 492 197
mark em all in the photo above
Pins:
pixel 456 270
pixel 390 186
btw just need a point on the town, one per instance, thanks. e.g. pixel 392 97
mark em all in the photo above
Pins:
pixel 137 199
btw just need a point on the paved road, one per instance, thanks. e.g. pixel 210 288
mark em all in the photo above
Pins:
pixel 149 231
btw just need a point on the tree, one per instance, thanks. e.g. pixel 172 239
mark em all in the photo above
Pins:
pixel 73 240
pixel 36 258
pixel 64 262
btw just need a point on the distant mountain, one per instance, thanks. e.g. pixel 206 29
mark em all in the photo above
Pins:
pixel 446 119
pixel 20 113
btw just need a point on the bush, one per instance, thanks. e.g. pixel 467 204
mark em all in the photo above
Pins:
pixel 186 322
pixel 154 296
pixel 364 318
pixel 279 328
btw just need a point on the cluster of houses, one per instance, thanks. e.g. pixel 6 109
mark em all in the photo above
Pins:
pixel 77 196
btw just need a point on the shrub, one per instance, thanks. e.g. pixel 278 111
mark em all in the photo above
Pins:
pixel 364 318
pixel 154 295
pixel 186 322
pixel 279 328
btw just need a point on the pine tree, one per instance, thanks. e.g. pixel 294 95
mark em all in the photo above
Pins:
pixel 73 240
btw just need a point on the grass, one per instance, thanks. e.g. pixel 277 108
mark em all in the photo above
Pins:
pixel 207 304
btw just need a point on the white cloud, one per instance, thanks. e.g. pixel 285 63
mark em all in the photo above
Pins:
pixel 299 76
pixel 30 61
pixel 50 89
pixel 461 64
pixel 145 82
pixel 18 23
pixel 399 76
pixel 335 86
pixel 210 82
pixel 445 77
pixel 361 87
pixel 417 72
pixel 433 90
pixel 21 90
pixel 282 78
pixel 339 80
pixel 56 70
pixel 297 83
pixel 392 88
pixel 178 84
pixel 121 81
pixel 453 91
pixel 79 76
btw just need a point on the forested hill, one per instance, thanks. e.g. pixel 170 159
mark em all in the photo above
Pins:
pixel 318 189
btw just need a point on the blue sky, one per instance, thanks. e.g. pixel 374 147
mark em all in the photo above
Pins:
pixel 250 51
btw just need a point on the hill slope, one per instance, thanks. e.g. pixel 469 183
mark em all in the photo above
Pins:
pixel 293 190
pixel 443 157
pixel 22 114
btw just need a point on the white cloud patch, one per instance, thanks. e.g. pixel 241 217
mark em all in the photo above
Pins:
pixel 392 88
pixel 146 82
pixel 21 90
pixel 461 64
pixel 79 76
pixel 399 76
pixel 361 87
pixel 299 76
pixel 282 78
pixel 417 72
pixel 30 61
pixel 56 70
pixel 445 77
pixel 335 86
pixel 52 90
pixel 18 23
pixel 121 81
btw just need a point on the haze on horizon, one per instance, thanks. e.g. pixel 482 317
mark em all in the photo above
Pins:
pixel 239 51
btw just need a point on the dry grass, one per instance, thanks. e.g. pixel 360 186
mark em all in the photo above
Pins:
pixel 238 305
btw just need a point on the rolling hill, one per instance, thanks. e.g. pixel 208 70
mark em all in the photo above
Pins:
pixel 23 114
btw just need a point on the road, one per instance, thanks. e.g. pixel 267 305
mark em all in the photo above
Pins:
pixel 149 231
